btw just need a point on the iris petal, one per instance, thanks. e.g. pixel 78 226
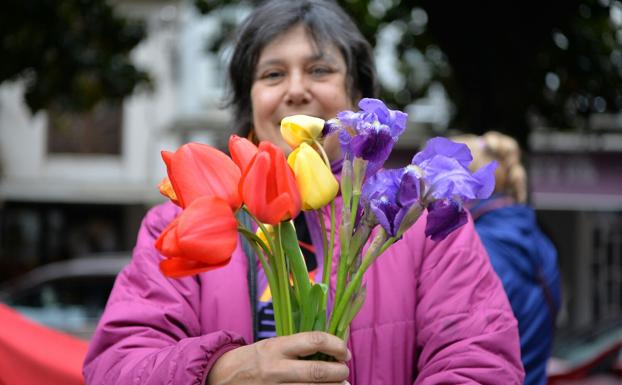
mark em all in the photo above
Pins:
pixel 444 216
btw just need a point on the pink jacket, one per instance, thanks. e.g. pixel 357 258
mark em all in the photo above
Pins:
pixel 435 313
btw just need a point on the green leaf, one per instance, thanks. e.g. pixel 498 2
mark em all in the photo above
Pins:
pixel 313 307
pixel 294 257
pixel 355 306
pixel 297 310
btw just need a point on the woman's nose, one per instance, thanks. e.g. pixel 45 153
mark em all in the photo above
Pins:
pixel 297 90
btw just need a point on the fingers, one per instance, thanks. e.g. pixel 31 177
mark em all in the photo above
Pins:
pixel 308 343
pixel 305 372
pixel 326 383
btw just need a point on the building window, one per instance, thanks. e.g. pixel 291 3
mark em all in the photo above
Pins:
pixel 607 265
pixel 95 132
pixel 33 234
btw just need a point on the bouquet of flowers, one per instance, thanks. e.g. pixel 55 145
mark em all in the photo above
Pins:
pixel 376 207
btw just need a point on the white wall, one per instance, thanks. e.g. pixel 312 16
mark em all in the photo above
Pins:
pixel 185 91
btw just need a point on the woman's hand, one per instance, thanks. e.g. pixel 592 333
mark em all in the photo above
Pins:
pixel 277 361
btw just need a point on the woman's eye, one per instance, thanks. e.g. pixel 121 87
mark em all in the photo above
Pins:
pixel 320 71
pixel 271 75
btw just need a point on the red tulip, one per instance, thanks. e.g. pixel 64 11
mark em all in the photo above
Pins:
pixel 268 186
pixel 201 238
pixel 167 242
pixel 196 170
pixel 242 151
pixel 181 267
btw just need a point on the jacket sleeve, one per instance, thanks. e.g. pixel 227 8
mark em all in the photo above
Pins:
pixel 150 331
pixel 466 331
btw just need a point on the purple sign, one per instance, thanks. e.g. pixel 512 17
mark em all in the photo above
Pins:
pixel 576 180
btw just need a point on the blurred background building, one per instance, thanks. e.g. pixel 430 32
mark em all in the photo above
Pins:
pixel 78 182
pixel 80 157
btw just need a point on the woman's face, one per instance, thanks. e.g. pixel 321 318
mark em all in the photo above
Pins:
pixel 293 77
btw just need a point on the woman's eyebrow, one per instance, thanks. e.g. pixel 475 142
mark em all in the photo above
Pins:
pixel 269 62
pixel 322 56
pixel 312 58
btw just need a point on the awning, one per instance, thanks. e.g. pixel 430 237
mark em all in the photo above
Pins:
pixel 31 354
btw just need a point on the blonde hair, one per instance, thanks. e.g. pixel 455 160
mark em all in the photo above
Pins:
pixel 511 177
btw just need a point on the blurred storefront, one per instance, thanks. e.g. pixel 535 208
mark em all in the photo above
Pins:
pixel 576 183
pixel 73 185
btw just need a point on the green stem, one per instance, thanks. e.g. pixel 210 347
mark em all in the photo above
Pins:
pixel 345 230
pixel 320 148
pixel 387 244
pixel 356 197
pixel 280 316
pixel 260 247
pixel 297 264
pixel 253 237
pixel 358 239
pixel 320 218
pixel 261 226
pixel 352 310
pixel 283 280
pixel 346 184
pixel 328 249
pixel 359 166
pixel 342 301
pixel 332 233
pixel 345 233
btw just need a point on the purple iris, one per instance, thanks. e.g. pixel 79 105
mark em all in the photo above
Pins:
pixel 389 194
pixel 445 147
pixel 443 165
pixel 441 171
pixel 331 126
pixel 370 133
pixel 444 216
pixel 395 120
pixel 373 143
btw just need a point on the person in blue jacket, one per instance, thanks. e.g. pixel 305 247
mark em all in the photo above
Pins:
pixel 522 255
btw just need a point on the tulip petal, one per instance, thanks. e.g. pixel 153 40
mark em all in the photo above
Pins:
pixel 167 241
pixel 268 186
pixel 181 267
pixel 196 170
pixel 207 231
pixel 254 181
pixel 297 129
pixel 242 151
pixel 280 209
pixel 316 182
pixel 167 157
pixel 286 182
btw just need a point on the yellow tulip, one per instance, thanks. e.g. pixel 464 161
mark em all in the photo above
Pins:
pixel 316 182
pixel 297 129
pixel 262 235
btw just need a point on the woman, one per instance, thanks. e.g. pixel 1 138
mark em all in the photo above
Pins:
pixel 435 312
pixel 523 257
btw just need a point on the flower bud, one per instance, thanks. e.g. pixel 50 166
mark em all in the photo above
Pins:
pixel 297 129
pixel 316 182
pixel 268 186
